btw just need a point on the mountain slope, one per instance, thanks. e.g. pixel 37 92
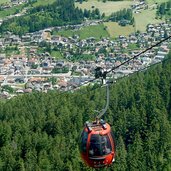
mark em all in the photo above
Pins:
pixel 61 12
pixel 41 131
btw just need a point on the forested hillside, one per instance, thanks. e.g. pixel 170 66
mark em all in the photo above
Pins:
pixel 60 13
pixel 164 9
pixel 57 14
pixel 41 131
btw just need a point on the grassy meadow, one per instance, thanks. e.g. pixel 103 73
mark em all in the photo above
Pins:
pixel 4 1
pixel 156 1
pixel 16 9
pixel 10 11
pixel 96 31
pixel 114 29
pixel 56 54
pixel 43 2
pixel 144 18
pixel 107 7
pixel 141 19
pixel 108 29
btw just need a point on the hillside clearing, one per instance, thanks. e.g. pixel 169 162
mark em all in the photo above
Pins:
pixel 44 2
pixel 115 30
pixel 107 8
pixel 156 1
pixel 144 18
pixel 96 31
pixel 56 54
pixel 16 9
pixel 4 1
pixel 10 11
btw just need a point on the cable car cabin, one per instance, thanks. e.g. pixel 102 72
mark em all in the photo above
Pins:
pixel 97 145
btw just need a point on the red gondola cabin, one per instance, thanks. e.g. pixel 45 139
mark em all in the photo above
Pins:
pixel 97 144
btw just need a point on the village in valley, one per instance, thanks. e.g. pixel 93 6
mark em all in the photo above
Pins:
pixel 33 68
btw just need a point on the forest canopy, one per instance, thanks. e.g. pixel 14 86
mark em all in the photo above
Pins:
pixel 41 131
pixel 60 13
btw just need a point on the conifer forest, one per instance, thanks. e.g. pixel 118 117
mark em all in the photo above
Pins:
pixel 41 131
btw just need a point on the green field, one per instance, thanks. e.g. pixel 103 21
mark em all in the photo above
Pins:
pixel 144 18
pixel 65 33
pixel 43 2
pixel 96 31
pixel 56 54
pixel 4 1
pixel 141 19
pixel 10 11
pixel 107 8
pixel 115 30
pixel 16 9
pixel 156 1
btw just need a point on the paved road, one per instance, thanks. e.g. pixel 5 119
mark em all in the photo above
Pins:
pixel 38 75
pixel 26 77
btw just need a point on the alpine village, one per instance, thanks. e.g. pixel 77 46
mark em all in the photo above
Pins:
pixel 85 85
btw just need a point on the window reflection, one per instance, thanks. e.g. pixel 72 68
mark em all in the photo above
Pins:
pixel 99 145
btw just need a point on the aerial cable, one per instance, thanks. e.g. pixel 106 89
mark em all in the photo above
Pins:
pixel 133 73
pixel 114 68
pixel 107 103
pixel 109 83
pixel 144 51
pixel 97 131
pixel 103 74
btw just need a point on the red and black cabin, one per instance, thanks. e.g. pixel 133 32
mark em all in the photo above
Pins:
pixel 97 144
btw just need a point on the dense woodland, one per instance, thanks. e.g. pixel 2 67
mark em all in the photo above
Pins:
pixel 124 17
pixel 164 9
pixel 41 131
pixel 61 12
